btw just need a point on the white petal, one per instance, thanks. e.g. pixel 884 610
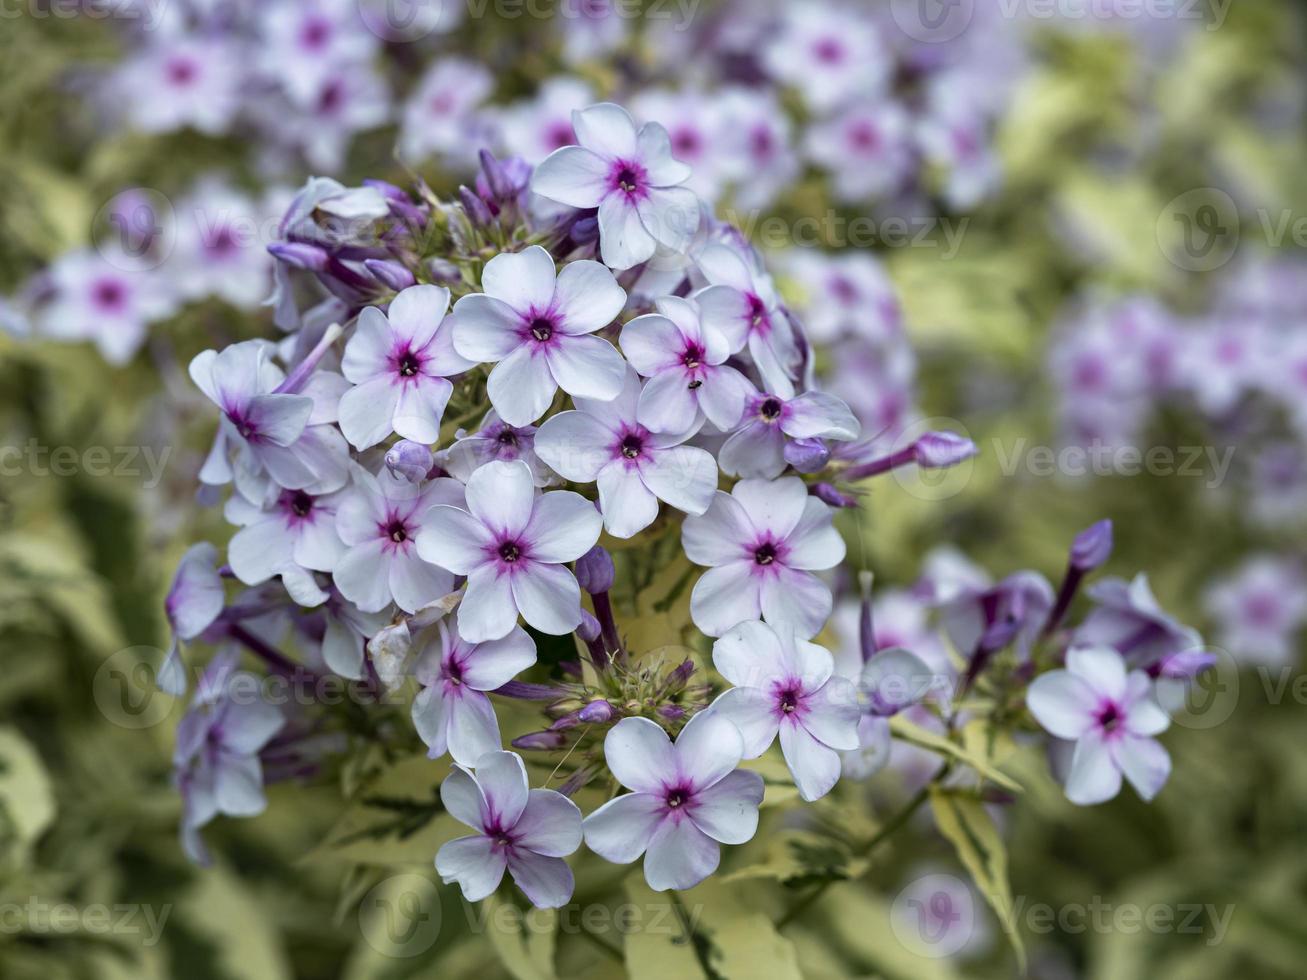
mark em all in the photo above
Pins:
pixel 814 544
pixel 546 881
pixel 238 786
pixel 725 596
pixel 575 445
pixel 723 396
pixel 523 280
pixel 453 539
pixel 488 610
pixel 587 367
pixel 816 414
pixel 415 583
pixel 474 863
pixel 680 856
pixel 755 451
pixel 833 714
pixel 728 810
pixel 548 598
pixel 708 748
pixel 363 576
pixel 502 495
pixel 420 408
pixel 683 476
pixel 1095 777
pixel 587 298
pixel 620 829
pixel 640 755
pixel 1102 668
pixel 550 824
pixel 773 505
pixel 750 655
pixel 503 781
pixel 430 716
pixel 368 351
pixel 720 535
pixel 463 798
pixel 627 504
pixel 814 766
pixel 607 129
pixel 471 727
pixel 417 312
pixel 493 664
pixel 563 527
pixel 655 149
pixel 485 329
pixel 651 343
pixel 753 712
pixel 671 215
pixel 367 412
pixel 797 600
pixel 1145 763
pixel 521 386
pixel 1062 703
pixel 572 175
pixel 623 240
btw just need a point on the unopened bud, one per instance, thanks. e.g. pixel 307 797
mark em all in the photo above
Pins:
pixel 807 455
pixel 409 461
pixel 594 570
pixel 936 450
pixel 390 274
pixel 1092 547
pixel 540 741
pixel 596 712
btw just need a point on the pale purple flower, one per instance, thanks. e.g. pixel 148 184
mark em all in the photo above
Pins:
pixel 441 116
pixel 595 28
pixel 346 100
pixel 687 799
pixel 685 362
pixel 380 521
pixel 757 448
pixel 301 42
pixel 535 327
pixel 953 135
pixel 194 601
pixel 603 443
pixel 525 831
pixel 696 127
pixel 845 293
pixel 757 151
pixel 1222 361
pixel 1260 609
pixel 107 297
pixel 1111 715
pixel 1127 617
pixel 762 542
pixel 741 302
pixel 512 543
pixel 346 630
pixel 829 52
pixel 891 681
pixel 410 461
pixel 218 251
pixel 631 177
pixel 216 759
pixel 536 127
pixel 400 362
pixel 452 713
pixel 494 440
pixel 866 146
pixel 987 618
pixel 262 433
pixel 293 535
pixel 788 687
pixel 179 82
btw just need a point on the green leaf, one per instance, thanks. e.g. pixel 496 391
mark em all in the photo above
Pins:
pixel 661 950
pixel 27 805
pixel 525 949
pixel 799 858
pixel 925 739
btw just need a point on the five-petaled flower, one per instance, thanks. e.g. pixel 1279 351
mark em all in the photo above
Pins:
pixel 687 799
pixel 757 447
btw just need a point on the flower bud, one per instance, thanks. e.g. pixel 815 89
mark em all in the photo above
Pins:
pixel 585 230
pixel 594 570
pixel 807 455
pixel 589 631
pixel 542 741
pixel 597 712
pixel 829 494
pixel 475 207
pixel 936 450
pixel 1092 547
pixel 671 712
pixel 409 461
pixel 390 274
pixel 444 272
pixel 299 255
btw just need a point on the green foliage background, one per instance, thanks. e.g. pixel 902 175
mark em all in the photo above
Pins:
pixel 87 815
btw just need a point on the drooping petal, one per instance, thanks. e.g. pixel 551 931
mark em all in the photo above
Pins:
pixel 550 824
pixel 546 881
pixel 420 408
pixel 463 798
pixel 680 855
pixel 727 811
pixel 620 829
pixel 238 786
pixel 431 720
pixel 640 755
pixel 1145 763
pixel 415 583
pixel 471 728
pixel 503 780
pixel 496 662
pixel 627 504
pixel 623 240
pixel 1095 776
pixel 814 766
pixel 474 863
pixel 521 386
pixel 363 576
pixel 548 597
pixel 488 610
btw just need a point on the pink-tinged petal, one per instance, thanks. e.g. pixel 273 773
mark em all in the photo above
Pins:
pixel 668 405
pixel 563 527
pixel 367 413
pixel 619 830
pixel 708 748
pixel 415 583
pixel 816 414
pixel 587 367
pixel 1145 763
pixel 814 544
pixel 471 727
pixel 725 596
pixel 1095 776
pixel 420 408
pixel 623 240
pixel 430 715
pixel 753 712
pixel 685 477
pixel 546 881
pixel 521 386
pixel 368 352
pixel 494 663
pixel 640 755
pixel 750 654
pixel 652 343
pixel 587 298
pixel 722 265
pixel 723 397
pixel 1102 668
pixel 797 600
pixel 550 824
pixel 721 535
pixel 488 610
pixel 463 798
pixel 453 539
pixel 756 451
pixel 728 811
pixel 1063 704
pixel 833 714
pixel 572 175
pixel 680 856
pixel 485 329
pixel 474 863
pixel 363 577
pixel 257 552
pixel 574 445
pixel 503 781
pixel 548 597
pixel 814 766
pixel 773 505
pixel 725 310
pixel 502 495
pixel 671 215
pixel 280 419
pixel 523 280
pixel 655 150
pixel 627 504
pixel 607 129
pixel 196 597
pixel 417 312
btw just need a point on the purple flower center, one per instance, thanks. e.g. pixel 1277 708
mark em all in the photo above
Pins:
pixel 1109 717
pixel 844 290
pixel 542 329
pixel 315 32
pixel 109 294
pixel 761 142
pixel 864 136
pixel 770 410
pixel 765 553
pixel 331 97
pixel 788 700
pixel 507 438
pixel 829 50
pixel 758 318
pixel 1262 609
pixel 687 142
pixel 408 363
pixel 559 134
pixel 299 503
pixel 181 71
pixel 677 797
pixel 629 177
pixel 632 445
pixel 510 551
pixel 222 241
pixel 397 530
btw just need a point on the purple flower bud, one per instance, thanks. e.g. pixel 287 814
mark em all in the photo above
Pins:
pixel 807 455
pixel 594 570
pixel 388 190
pixel 1186 664
pixel 497 179
pixel 828 494
pixel 543 741
pixel 584 231
pixel 1092 547
pixel 475 207
pixel 390 274
pixel 936 450
pixel 682 674
pixel 589 631
pixel 310 258
pixel 409 461
pixel 597 712
pixel 443 272
pixel 671 712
